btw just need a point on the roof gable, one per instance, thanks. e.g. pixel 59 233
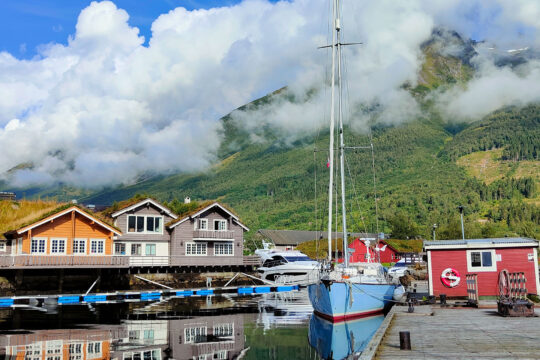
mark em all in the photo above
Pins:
pixel 64 212
pixel 142 203
pixel 203 209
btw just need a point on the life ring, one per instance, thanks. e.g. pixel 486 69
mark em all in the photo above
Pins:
pixel 450 277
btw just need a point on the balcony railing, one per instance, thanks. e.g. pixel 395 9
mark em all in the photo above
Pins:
pixel 213 234
pixel 46 261
pixel 106 261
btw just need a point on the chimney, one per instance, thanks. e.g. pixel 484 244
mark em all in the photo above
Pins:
pixel 187 200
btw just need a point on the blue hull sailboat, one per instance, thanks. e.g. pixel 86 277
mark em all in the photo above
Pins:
pixel 347 290
pixel 339 341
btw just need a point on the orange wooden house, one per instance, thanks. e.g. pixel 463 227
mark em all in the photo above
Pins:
pixel 67 234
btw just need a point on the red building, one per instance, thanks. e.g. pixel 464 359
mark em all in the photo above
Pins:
pixel 387 253
pixel 450 260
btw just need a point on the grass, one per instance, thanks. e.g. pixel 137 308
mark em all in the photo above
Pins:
pixel 13 214
pixel 487 166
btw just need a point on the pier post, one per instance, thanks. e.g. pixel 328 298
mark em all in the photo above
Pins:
pixel 60 280
pixel 405 340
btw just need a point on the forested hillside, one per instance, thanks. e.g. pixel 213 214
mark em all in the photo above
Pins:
pixel 425 169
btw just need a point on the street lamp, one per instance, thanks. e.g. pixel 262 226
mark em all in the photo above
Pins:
pixel 434 227
pixel 462 227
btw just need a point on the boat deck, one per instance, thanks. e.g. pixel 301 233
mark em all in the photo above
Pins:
pixel 456 333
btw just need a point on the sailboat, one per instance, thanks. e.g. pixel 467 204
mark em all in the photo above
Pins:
pixel 346 291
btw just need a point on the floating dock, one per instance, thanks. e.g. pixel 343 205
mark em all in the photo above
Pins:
pixel 455 333
pixel 147 295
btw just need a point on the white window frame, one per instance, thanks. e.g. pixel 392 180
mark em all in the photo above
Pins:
pixel 146 248
pixel 51 240
pixel 191 333
pixel 134 245
pixel 90 247
pixel 473 269
pixel 38 239
pixel 221 221
pixel 220 244
pixel 125 248
pixel 218 330
pixel 79 240
pixel 145 231
pixel 205 222
pixel 190 245
pixel 3 246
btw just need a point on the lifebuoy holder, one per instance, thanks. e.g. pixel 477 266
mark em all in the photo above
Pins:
pixel 450 277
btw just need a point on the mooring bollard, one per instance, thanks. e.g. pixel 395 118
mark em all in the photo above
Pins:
pixel 405 340
pixel 443 299
pixel 411 305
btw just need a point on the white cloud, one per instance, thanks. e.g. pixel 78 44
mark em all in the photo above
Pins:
pixel 105 108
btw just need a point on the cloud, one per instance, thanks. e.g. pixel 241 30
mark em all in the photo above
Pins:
pixel 105 108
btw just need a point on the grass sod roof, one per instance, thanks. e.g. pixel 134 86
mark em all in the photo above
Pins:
pixel 199 207
pixel 401 246
pixel 15 214
pixel 57 210
pixel 406 246
pixel 120 205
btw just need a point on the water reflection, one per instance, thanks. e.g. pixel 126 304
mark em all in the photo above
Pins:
pixel 339 340
pixel 269 326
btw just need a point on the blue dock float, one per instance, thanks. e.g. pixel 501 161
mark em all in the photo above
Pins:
pixel 184 293
pixel 245 290
pixel 6 302
pixel 205 292
pixel 94 298
pixel 151 296
pixel 69 299
pixel 263 289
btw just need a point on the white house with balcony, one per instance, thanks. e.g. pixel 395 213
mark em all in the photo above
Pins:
pixel 145 238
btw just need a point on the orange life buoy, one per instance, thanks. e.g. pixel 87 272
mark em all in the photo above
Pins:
pixel 450 277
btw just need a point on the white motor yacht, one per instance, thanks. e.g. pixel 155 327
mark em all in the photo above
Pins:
pixel 288 267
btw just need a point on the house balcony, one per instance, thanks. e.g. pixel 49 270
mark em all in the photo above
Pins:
pixel 215 235
pixel 62 261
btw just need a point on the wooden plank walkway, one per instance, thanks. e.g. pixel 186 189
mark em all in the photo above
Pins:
pixel 460 333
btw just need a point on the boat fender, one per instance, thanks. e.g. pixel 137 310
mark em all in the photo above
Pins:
pixel 399 293
pixel 450 277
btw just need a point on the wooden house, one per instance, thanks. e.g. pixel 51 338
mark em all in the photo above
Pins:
pixel 208 235
pixel 70 235
pixel 145 238
pixel 449 261
pixel 386 254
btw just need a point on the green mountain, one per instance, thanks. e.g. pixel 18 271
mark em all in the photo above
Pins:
pixel 425 169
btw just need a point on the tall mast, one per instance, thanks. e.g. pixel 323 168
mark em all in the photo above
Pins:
pixel 332 113
pixel 341 142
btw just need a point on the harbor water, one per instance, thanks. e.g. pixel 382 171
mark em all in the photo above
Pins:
pixel 266 326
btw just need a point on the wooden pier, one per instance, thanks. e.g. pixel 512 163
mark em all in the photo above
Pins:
pixel 455 333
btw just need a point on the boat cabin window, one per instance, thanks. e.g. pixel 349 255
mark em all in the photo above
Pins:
pixel 297 258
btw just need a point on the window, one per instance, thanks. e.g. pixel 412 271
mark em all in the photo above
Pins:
pixel 145 224
pixel 220 225
pixel 58 246
pixel 151 249
pixel 194 334
pixel 79 246
pixel 94 348
pixel 120 249
pixel 221 249
pixel 224 330
pixel 203 224
pixel 97 246
pixel 481 260
pixel 197 249
pixel 221 354
pixel 38 246
pixel 2 246
pixel 135 249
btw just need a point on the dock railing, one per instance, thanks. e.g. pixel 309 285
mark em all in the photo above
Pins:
pixel 48 261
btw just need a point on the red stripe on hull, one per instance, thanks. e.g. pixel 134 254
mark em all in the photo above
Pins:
pixel 336 319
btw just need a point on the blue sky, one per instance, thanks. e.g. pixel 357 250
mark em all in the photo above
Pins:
pixel 26 24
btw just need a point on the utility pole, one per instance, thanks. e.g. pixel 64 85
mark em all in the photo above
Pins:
pixel 462 227
pixel 434 227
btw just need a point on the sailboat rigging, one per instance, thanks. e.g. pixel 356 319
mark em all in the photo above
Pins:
pixel 347 290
